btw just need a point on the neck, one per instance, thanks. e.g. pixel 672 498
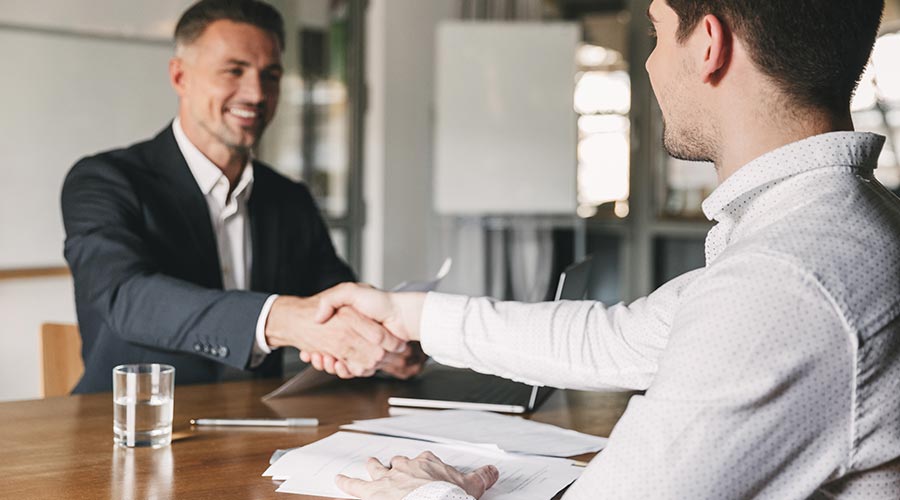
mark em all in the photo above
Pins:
pixel 761 130
pixel 231 161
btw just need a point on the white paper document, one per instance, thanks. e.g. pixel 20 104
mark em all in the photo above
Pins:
pixel 485 429
pixel 311 470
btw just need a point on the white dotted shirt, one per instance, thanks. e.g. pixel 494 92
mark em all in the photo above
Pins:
pixel 772 372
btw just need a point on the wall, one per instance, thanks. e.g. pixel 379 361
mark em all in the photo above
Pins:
pixel 49 34
pixel 125 26
pixel 398 143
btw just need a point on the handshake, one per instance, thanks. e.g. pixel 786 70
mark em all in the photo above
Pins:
pixel 351 330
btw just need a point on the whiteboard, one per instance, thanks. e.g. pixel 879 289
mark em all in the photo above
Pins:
pixel 505 131
pixel 66 97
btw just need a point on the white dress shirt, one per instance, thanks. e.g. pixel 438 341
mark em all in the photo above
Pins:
pixel 772 372
pixel 231 226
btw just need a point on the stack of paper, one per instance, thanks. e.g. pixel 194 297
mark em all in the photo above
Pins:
pixel 487 430
pixel 311 470
pixel 464 439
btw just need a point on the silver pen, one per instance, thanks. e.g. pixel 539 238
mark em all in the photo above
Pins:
pixel 257 422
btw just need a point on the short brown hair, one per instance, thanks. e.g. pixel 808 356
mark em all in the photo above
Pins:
pixel 199 16
pixel 815 50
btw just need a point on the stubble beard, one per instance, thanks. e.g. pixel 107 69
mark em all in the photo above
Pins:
pixel 688 143
pixel 234 141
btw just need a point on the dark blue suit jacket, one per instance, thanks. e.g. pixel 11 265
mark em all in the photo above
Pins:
pixel 148 285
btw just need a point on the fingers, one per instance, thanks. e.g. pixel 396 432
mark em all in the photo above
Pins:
pixel 355 487
pixel 399 367
pixel 399 462
pixel 328 363
pixel 333 299
pixel 376 469
pixel 341 370
pixel 375 333
pixel 316 360
pixel 481 479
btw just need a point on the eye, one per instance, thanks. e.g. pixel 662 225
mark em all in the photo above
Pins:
pixel 271 76
pixel 236 71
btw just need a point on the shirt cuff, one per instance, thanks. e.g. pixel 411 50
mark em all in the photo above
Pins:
pixel 260 348
pixel 438 490
pixel 442 329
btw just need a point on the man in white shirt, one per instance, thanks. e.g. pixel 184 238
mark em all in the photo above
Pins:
pixel 772 372
pixel 187 251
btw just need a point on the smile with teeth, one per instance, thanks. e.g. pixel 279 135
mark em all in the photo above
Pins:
pixel 242 113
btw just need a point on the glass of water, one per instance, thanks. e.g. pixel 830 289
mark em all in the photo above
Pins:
pixel 142 405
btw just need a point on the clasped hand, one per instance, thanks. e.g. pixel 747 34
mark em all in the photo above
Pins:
pixel 399 315
pixel 351 330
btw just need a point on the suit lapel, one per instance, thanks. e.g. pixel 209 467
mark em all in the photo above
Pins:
pixel 189 200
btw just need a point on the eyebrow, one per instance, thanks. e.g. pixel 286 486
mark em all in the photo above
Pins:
pixel 245 64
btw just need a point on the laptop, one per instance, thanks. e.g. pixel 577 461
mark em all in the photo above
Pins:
pixel 446 388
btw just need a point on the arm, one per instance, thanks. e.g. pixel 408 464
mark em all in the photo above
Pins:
pixel 567 344
pixel 119 278
pixel 752 398
pixel 590 346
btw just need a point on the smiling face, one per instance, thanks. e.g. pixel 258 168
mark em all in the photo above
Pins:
pixel 687 134
pixel 228 82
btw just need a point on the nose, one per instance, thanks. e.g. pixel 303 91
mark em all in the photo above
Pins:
pixel 252 88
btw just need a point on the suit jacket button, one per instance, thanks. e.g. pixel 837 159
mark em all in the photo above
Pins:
pixel 223 351
pixel 198 347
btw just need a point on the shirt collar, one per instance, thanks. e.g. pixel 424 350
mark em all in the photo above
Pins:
pixel 849 149
pixel 205 172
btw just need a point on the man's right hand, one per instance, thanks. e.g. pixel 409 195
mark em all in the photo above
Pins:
pixel 399 313
pixel 359 342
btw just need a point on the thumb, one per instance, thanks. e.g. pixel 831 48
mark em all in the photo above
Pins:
pixel 481 479
pixel 331 300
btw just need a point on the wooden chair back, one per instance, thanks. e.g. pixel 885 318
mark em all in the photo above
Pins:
pixel 61 364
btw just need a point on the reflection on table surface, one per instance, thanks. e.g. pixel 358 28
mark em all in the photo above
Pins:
pixel 62 447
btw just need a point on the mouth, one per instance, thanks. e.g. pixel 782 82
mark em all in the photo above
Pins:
pixel 246 116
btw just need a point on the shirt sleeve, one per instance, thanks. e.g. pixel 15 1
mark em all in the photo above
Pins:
pixel 753 398
pixel 261 348
pixel 438 490
pixel 567 344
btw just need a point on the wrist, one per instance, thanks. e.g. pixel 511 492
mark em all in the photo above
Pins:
pixel 286 314
pixel 409 310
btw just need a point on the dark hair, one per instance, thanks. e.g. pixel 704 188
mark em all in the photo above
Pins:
pixel 815 50
pixel 199 16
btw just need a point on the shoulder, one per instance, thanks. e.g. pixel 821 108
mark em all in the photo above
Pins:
pixel 848 244
pixel 120 163
pixel 266 180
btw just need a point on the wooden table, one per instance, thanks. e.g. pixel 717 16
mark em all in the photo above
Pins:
pixel 62 447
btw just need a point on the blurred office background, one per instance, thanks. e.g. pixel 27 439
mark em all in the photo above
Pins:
pixel 515 136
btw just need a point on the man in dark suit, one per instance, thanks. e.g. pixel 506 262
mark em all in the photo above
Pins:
pixel 186 251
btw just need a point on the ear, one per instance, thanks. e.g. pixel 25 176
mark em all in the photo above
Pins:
pixel 718 49
pixel 176 75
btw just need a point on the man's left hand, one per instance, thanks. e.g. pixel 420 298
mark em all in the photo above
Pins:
pixel 406 364
pixel 406 475
pixel 402 365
